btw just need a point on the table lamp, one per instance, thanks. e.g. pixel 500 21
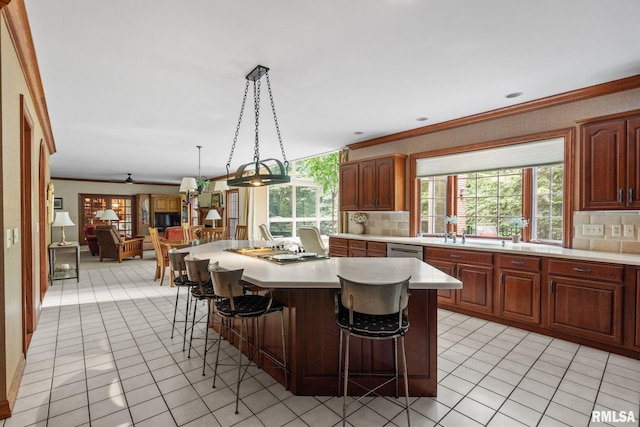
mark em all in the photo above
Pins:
pixel 213 215
pixel 62 220
pixel 99 213
pixel 109 215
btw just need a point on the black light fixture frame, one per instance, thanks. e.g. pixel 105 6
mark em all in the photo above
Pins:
pixel 258 172
pixel 129 180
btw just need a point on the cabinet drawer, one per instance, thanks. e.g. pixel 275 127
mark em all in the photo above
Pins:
pixel 357 244
pixel 587 270
pixel 338 251
pixel 519 262
pixel 459 255
pixel 337 241
pixel 377 247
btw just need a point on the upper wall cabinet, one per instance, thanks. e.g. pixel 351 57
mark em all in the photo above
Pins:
pixel 610 164
pixel 375 184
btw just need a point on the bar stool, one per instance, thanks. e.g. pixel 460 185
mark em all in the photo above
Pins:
pixel 180 280
pixel 233 303
pixel 374 312
pixel 198 272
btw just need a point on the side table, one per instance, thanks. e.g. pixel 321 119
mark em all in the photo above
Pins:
pixel 63 271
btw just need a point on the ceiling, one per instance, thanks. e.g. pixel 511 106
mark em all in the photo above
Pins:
pixel 135 86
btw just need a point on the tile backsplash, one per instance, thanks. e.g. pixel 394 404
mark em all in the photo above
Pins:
pixel 615 237
pixel 387 224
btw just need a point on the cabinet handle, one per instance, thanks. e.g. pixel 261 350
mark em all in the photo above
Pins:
pixel 518 262
pixel 621 195
pixel 583 270
pixel 630 195
pixel 456 256
pixel 500 279
pixel 458 273
pixel 453 270
pixel 553 287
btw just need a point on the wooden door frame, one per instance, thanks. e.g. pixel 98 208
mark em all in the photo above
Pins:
pixel 42 220
pixel 29 318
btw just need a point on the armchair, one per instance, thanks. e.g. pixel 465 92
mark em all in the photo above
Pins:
pixel 91 239
pixel 112 246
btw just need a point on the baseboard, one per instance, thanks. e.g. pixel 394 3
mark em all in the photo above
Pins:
pixel 6 406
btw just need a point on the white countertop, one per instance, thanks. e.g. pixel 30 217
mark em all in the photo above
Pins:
pixel 322 273
pixel 488 245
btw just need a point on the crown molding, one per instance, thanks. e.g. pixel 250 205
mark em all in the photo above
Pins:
pixel 620 85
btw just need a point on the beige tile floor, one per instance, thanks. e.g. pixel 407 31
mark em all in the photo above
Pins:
pixel 102 356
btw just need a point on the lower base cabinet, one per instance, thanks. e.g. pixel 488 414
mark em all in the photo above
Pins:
pixel 586 300
pixel 637 313
pixel 519 295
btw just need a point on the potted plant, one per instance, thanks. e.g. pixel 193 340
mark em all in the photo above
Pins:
pixel 518 224
pixel 358 219
pixel 450 220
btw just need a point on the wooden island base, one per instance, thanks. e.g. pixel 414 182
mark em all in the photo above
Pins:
pixel 312 340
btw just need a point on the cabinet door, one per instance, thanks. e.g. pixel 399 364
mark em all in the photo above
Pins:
pixel 349 187
pixel 586 308
pixel 637 336
pixel 175 204
pixel 633 163
pixel 603 169
pixel 368 185
pixel 519 296
pixel 445 296
pixel 160 204
pixel 477 287
pixel 385 184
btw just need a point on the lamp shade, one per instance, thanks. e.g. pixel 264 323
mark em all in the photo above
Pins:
pixel 213 215
pixel 99 213
pixel 109 215
pixel 188 185
pixel 62 220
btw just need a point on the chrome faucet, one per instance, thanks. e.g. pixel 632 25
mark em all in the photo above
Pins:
pixel 464 235
pixel 454 237
pixel 446 235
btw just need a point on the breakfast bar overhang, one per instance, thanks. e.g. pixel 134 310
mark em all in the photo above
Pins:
pixel 312 337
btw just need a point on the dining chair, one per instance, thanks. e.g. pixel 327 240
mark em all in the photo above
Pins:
pixel 213 234
pixel 241 232
pixel 265 233
pixel 372 312
pixel 191 232
pixel 311 241
pixel 162 256
pixel 232 302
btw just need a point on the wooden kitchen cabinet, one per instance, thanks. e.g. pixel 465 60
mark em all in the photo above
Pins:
pixel 586 300
pixel 610 152
pixel 376 184
pixel 340 247
pixel 474 269
pixel 167 203
pixel 518 291
pixel 357 248
pixel 636 342
pixel 349 184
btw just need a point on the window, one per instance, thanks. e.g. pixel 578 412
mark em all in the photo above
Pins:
pixel 302 202
pixel 121 205
pixel 486 201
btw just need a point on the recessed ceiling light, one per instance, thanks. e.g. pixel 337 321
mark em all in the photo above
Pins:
pixel 422 119
pixel 514 95
pixel 358 132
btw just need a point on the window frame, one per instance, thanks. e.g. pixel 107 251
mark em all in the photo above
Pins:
pixel 568 188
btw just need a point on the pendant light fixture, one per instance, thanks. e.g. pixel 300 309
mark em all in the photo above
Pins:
pixel 258 172
pixel 192 186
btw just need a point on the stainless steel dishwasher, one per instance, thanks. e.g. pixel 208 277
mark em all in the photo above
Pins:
pixel 403 250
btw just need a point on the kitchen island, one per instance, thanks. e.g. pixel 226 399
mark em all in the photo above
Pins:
pixel 308 287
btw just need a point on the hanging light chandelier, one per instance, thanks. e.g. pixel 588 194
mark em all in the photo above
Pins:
pixel 258 172
pixel 190 185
